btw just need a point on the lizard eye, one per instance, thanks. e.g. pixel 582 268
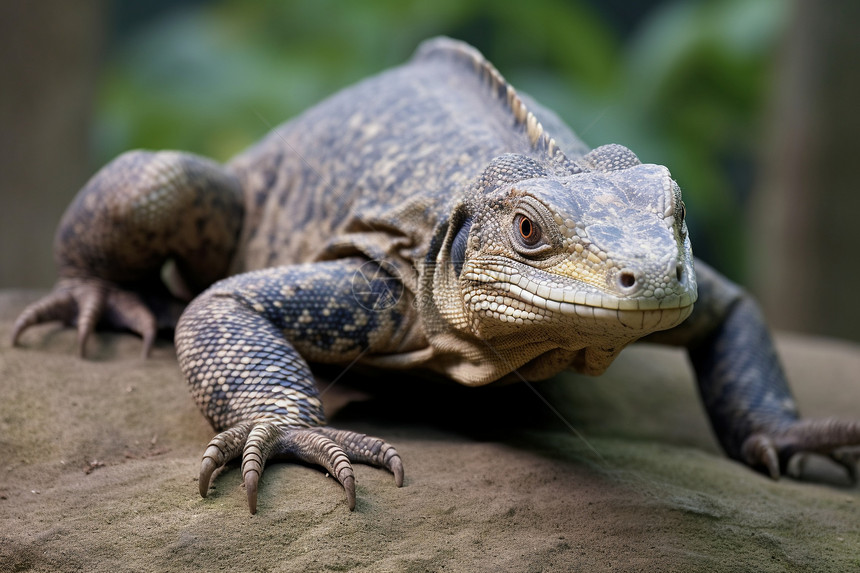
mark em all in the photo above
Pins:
pixel 527 231
pixel 682 220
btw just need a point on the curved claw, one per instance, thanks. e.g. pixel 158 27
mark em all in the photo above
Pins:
pixel 85 302
pixel 251 480
pixel 207 468
pixel 396 467
pixel 759 451
pixel 258 441
pixel 349 487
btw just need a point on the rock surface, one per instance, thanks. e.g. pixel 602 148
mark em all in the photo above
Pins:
pixel 99 458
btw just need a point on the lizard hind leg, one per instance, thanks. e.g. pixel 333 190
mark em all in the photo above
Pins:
pixel 138 212
pixel 334 450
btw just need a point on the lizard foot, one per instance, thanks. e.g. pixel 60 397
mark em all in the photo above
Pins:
pixel 261 440
pixel 86 301
pixel 773 450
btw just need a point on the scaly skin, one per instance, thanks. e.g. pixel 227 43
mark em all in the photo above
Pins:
pixel 233 344
pixel 428 218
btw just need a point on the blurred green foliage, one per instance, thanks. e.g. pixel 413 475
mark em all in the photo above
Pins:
pixel 686 88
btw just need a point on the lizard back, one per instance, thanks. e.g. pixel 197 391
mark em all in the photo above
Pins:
pixel 376 167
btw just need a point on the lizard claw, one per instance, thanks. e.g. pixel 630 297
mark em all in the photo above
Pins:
pixel 258 441
pixel 773 450
pixel 84 302
pixel 759 451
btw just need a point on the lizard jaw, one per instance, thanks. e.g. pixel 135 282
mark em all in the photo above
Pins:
pixel 513 298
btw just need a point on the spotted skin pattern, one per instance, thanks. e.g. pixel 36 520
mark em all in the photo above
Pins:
pixel 429 218
pixel 245 341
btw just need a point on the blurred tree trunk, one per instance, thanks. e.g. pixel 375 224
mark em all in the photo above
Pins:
pixel 805 221
pixel 48 68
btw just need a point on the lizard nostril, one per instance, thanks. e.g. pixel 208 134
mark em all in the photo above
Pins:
pixel 627 280
pixel 679 272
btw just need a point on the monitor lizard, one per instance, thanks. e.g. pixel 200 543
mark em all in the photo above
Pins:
pixel 429 218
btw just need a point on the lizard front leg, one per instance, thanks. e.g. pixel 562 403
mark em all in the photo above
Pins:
pixel 135 214
pixel 243 346
pixel 742 384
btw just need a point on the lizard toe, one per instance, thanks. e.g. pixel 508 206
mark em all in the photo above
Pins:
pixel 364 449
pixel 58 305
pixel 91 303
pixel 311 445
pixel 126 310
pixel 824 436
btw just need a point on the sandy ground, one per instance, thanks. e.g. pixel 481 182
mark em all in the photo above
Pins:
pixel 99 457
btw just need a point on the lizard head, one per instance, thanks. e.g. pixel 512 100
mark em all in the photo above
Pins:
pixel 596 257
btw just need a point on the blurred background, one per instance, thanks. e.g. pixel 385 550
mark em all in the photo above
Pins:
pixel 750 103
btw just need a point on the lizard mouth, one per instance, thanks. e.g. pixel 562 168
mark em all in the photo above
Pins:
pixel 519 299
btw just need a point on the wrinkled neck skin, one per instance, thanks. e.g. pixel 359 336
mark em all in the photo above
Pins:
pixel 541 271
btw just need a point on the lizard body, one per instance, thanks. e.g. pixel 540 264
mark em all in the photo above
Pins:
pixel 428 218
